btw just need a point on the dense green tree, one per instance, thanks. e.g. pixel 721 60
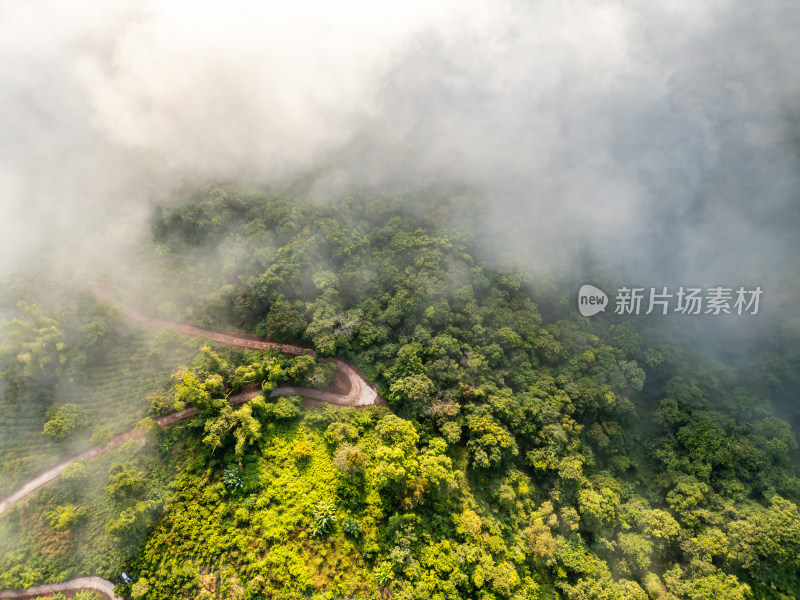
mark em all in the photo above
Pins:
pixel 284 323
pixel 64 421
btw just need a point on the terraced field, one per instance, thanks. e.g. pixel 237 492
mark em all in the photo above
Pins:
pixel 113 392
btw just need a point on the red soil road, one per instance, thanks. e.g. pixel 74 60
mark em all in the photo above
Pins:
pixel 349 389
pixel 240 340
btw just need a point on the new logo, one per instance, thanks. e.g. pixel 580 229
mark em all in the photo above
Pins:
pixel 591 300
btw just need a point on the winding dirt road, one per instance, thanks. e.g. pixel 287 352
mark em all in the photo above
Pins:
pixel 349 389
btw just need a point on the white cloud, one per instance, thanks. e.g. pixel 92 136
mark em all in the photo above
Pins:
pixel 613 121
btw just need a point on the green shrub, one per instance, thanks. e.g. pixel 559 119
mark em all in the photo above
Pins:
pixel 324 518
pixel 302 451
pixel 64 422
pixel 233 479
pixel 351 527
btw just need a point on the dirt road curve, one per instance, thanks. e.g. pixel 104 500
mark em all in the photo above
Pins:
pixel 241 340
pixel 101 586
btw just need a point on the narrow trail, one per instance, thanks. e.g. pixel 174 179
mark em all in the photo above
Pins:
pixel 96 584
pixel 45 477
pixel 349 389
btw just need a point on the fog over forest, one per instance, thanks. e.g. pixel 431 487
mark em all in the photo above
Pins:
pixel 379 215
pixel 661 138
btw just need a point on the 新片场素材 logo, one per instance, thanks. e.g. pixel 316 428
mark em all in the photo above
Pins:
pixel 713 301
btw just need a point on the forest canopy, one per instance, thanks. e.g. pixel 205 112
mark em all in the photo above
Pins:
pixel 527 452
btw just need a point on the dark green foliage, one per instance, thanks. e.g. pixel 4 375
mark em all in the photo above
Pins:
pixel 233 479
pixel 284 323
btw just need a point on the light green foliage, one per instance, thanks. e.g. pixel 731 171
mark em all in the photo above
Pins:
pixel 659 525
pixel 540 540
pixel 270 532
pixel 489 441
pixel 37 343
pixel 340 432
pixel 383 573
pixel 284 408
pixel 413 393
pixel 592 574
pixel 64 421
pixel 268 371
pixel 209 363
pixel 101 435
pixel 776 438
pixel 627 372
pixel 687 501
pixel 198 391
pixel 598 506
pixel 74 476
pixel 302 451
pixel 507 497
pixel 767 542
pixel 213 378
pixel 84 529
pixel 324 518
pixel 124 481
pixel 637 552
pixel 161 403
pixel 66 517
pixel 140 589
pixel 404 471
pixel 236 423
pixel 710 544
pixel 349 460
pixel 321 376
pixel 132 524
pixel 712 586
pixel 397 433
